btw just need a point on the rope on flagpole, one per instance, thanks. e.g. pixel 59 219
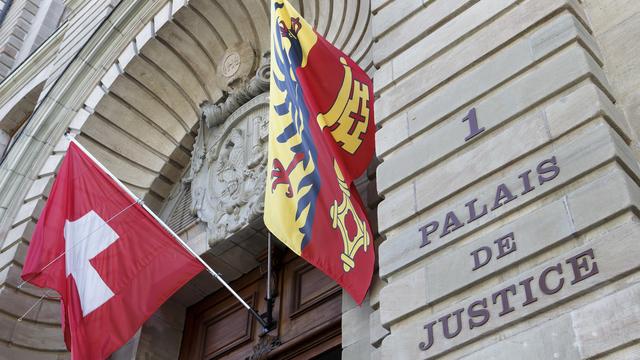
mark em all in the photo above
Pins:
pixel 46 293
pixel 34 275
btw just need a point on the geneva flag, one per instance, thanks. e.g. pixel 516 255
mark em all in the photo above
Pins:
pixel 321 138
pixel 111 262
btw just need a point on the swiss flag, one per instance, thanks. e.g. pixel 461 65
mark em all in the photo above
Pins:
pixel 111 262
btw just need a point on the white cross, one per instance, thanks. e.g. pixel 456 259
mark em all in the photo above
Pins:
pixel 85 238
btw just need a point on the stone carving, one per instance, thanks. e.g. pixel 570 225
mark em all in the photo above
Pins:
pixel 236 65
pixel 231 64
pixel 228 166
pixel 216 114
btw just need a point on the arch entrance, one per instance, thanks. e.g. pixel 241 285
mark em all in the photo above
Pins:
pixel 180 118
pixel 134 96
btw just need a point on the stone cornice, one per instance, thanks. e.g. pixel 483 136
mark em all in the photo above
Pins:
pixel 32 66
pixel 67 95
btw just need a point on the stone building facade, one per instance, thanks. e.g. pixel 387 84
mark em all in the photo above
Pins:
pixel 506 195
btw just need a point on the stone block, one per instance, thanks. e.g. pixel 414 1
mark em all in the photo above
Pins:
pixel 403 296
pixel 94 97
pixel 393 134
pixel 49 337
pixel 361 350
pixel 592 149
pixel 628 353
pixel 376 354
pixel 145 35
pixel 355 324
pixel 197 239
pixel 382 77
pixel 14 352
pixel 585 102
pixel 15 253
pixel 138 179
pixel 189 295
pixel 608 323
pixel 20 233
pixel 79 119
pixel 110 76
pixel 62 145
pixel 376 331
pixel 29 211
pixel 390 15
pixel 239 259
pixel 51 166
pixel 220 265
pixel 554 35
pixel 377 284
pixel 347 303
pixel 622 63
pixel 40 188
pixel 397 205
pixel 127 54
pixel 394 35
pixel 162 17
pixel 16 303
pixel 552 340
pixel 10 276
pixel 160 186
pixel 602 199
pixel 376 5
pixel 604 16
pixel 49 310
pixel 172 314
pixel 256 244
pixel 157 341
pixel 180 108
pixel 167 120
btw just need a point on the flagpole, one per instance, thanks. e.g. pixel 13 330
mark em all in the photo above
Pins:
pixel 170 231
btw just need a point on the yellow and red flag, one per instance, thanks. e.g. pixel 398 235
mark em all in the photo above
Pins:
pixel 321 138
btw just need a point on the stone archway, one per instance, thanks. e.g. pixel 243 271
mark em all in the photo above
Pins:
pixel 140 120
pixel 132 96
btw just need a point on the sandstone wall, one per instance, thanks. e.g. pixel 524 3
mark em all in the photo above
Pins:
pixel 507 128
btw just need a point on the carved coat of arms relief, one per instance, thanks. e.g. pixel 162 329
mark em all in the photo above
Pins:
pixel 228 171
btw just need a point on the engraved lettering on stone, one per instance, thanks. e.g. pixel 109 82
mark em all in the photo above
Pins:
pixel 478 313
pixel 547 170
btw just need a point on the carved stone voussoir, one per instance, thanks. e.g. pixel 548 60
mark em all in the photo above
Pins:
pixel 228 170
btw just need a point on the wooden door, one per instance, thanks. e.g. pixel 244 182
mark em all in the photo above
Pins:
pixel 307 309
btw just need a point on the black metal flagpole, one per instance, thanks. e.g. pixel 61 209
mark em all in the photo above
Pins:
pixel 269 298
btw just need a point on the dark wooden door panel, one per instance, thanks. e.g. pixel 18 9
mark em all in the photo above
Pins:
pixel 307 310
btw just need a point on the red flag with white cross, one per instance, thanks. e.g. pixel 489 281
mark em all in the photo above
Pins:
pixel 111 262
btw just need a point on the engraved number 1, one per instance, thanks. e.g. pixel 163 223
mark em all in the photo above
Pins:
pixel 473 124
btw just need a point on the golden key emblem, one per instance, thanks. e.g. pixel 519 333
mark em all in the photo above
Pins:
pixel 348 117
pixel 339 213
